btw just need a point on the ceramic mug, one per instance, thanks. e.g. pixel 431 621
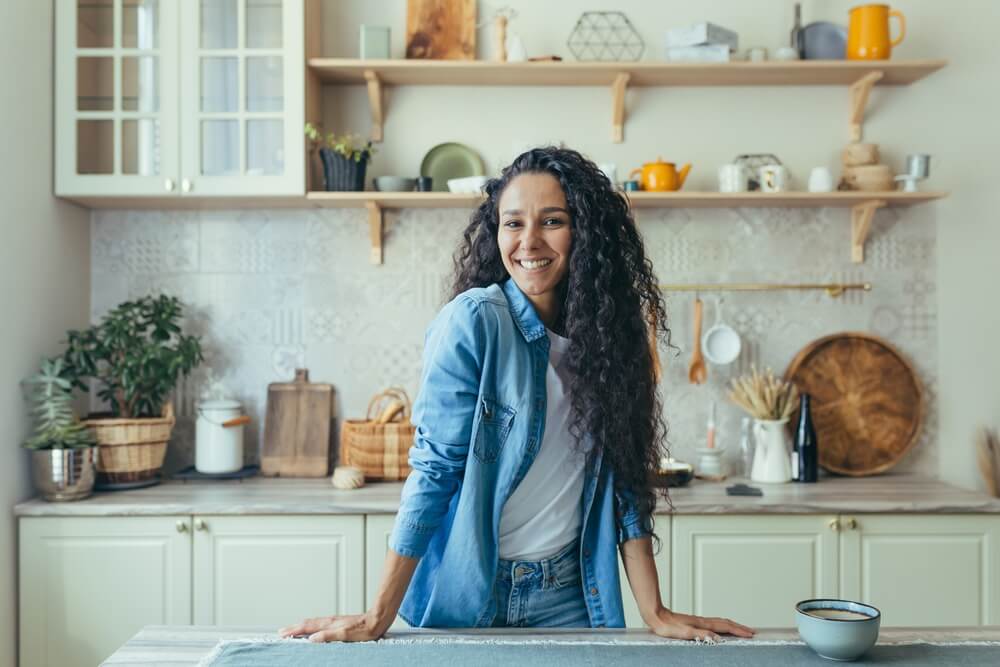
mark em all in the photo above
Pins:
pixel 733 178
pixel 773 178
pixel 820 180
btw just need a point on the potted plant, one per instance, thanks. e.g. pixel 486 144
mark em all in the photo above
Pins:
pixel 63 449
pixel 344 157
pixel 137 353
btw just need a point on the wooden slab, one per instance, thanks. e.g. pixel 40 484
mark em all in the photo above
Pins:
pixel 441 29
pixel 867 402
pixel 297 428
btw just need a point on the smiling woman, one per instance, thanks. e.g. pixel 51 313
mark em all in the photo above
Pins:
pixel 538 423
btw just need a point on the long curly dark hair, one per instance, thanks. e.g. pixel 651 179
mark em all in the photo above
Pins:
pixel 611 299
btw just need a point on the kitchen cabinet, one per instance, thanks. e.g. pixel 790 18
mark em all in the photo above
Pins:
pixel 276 570
pixel 923 570
pixel 753 569
pixel 633 619
pixel 88 584
pixel 188 98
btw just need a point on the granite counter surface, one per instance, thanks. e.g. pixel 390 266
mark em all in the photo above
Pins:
pixel 260 496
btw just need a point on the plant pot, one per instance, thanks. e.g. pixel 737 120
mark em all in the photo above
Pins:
pixel 341 174
pixel 131 451
pixel 64 474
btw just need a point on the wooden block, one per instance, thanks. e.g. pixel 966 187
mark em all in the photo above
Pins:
pixel 441 29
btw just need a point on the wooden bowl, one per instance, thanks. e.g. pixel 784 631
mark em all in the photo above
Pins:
pixel 868 178
pixel 858 154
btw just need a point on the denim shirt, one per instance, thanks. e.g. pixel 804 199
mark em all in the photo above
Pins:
pixel 479 422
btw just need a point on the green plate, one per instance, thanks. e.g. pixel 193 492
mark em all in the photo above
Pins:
pixel 451 160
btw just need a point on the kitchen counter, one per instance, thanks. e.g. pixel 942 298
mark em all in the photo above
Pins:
pixel 187 645
pixel 261 496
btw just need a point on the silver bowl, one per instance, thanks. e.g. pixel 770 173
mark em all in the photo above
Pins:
pixel 64 474
pixel 838 629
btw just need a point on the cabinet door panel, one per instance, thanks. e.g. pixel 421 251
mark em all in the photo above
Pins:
pixel 87 585
pixel 752 569
pixel 927 570
pixel 276 570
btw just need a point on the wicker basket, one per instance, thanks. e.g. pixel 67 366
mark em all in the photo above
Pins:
pixel 380 444
pixel 131 451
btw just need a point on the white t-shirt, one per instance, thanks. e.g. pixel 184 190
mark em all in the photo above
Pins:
pixel 544 513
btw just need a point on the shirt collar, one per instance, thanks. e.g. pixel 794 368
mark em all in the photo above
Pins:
pixel 523 312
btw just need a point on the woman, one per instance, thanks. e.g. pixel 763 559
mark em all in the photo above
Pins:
pixel 538 424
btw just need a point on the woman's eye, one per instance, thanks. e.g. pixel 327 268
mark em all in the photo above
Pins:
pixel 511 223
pixel 554 221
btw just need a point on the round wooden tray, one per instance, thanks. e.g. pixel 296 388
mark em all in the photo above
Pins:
pixel 867 402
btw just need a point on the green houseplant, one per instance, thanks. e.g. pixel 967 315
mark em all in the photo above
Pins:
pixel 136 354
pixel 63 449
pixel 344 158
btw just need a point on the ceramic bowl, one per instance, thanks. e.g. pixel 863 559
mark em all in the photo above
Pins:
pixel 468 184
pixel 394 183
pixel 671 473
pixel 837 629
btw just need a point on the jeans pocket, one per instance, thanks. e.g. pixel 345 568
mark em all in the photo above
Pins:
pixel 566 573
pixel 495 420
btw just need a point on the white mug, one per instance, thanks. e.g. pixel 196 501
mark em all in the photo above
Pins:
pixel 773 178
pixel 820 180
pixel 733 178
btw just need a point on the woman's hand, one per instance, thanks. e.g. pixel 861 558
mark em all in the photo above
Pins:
pixel 350 628
pixel 685 626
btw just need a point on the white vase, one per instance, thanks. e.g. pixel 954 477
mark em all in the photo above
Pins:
pixel 772 462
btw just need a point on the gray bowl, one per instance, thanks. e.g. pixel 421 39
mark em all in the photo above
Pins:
pixel 846 631
pixel 394 183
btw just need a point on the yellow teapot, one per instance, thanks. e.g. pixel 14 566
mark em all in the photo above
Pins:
pixel 661 176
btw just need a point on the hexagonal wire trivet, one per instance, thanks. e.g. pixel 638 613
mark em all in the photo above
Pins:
pixel 607 36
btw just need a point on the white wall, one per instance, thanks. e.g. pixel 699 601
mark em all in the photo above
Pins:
pixel 44 262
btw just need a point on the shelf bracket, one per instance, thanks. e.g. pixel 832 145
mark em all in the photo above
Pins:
pixel 860 90
pixel 861 225
pixel 375 103
pixel 375 227
pixel 618 107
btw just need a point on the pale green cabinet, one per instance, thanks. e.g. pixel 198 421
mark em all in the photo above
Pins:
pixel 182 98
pixel 89 584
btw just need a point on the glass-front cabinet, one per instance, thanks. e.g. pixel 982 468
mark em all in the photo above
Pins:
pixel 179 97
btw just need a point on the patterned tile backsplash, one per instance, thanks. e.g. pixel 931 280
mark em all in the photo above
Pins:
pixel 270 291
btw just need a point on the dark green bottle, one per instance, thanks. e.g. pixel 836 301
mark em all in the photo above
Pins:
pixel 806 447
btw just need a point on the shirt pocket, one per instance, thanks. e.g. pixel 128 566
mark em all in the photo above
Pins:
pixel 495 420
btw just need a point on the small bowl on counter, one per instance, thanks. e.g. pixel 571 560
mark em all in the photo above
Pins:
pixel 394 183
pixel 838 629
pixel 672 473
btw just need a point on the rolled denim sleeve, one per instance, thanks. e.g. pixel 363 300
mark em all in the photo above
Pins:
pixel 632 524
pixel 443 415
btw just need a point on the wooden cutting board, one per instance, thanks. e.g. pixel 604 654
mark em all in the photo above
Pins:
pixel 297 428
pixel 867 402
pixel 441 29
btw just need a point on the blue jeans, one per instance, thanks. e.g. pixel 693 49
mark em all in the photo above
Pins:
pixel 541 594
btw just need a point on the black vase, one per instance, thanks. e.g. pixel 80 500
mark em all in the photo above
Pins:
pixel 341 174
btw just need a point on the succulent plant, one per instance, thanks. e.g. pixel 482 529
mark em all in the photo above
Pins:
pixel 56 425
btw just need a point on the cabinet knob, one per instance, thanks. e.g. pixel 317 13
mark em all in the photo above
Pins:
pixel 168 185
pixel 182 526
pixel 834 525
pixel 199 524
pixel 852 524
pixel 186 184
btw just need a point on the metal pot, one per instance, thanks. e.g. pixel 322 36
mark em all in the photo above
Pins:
pixel 64 474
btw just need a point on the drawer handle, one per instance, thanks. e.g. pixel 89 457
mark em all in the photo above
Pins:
pixel 199 524
pixel 852 524
pixel 182 526
pixel 834 525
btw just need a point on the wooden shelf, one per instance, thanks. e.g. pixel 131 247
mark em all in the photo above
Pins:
pixel 862 204
pixel 399 72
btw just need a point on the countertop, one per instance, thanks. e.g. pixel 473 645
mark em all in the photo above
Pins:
pixel 832 495
pixel 187 645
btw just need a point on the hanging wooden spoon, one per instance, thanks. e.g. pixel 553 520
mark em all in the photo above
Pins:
pixel 697 372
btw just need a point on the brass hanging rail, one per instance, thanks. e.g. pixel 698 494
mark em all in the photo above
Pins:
pixel 833 289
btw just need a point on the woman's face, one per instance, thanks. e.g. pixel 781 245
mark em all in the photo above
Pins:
pixel 534 233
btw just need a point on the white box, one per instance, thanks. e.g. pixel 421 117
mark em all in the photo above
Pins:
pixel 707 53
pixel 700 34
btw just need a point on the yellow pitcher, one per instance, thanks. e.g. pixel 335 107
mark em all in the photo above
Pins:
pixel 868 32
pixel 661 176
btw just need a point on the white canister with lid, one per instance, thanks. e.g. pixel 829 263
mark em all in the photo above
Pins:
pixel 219 436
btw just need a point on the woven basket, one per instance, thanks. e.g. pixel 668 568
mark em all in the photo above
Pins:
pixel 131 450
pixel 380 444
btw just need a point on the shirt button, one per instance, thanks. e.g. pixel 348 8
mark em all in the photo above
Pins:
pixel 586 552
pixel 593 591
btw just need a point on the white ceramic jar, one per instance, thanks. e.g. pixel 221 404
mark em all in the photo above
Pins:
pixel 218 448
